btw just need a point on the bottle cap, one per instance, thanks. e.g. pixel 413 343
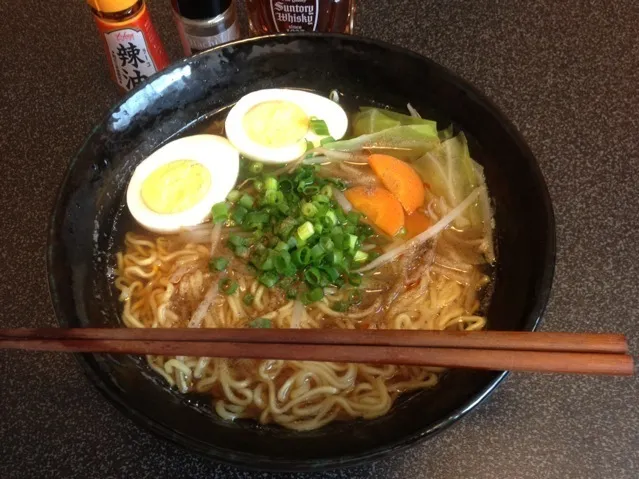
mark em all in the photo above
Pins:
pixel 201 9
pixel 111 6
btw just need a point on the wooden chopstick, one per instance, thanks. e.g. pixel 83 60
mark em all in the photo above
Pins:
pixel 513 340
pixel 353 347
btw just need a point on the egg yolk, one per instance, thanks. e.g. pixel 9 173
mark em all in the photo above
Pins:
pixel 175 186
pixel 275 123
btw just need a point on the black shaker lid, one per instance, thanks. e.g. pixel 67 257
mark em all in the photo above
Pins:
pixel 201 9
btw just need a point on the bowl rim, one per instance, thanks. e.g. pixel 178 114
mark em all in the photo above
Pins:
pixel 250 461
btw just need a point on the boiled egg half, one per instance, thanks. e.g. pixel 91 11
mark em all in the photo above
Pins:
pixel 274 125
pixel 176 186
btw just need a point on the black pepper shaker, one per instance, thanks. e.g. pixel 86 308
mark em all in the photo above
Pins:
pixel 202 24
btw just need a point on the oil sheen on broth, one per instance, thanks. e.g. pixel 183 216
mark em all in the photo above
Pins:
pixel 390 228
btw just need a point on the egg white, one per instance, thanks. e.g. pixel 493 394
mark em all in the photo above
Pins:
pixel 213 152
pixel 312 104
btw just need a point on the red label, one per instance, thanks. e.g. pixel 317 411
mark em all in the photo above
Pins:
pixel 134 49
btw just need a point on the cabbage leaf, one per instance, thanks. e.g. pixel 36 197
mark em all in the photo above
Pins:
pixel 373 120
pixel 451 173
pixel 406 142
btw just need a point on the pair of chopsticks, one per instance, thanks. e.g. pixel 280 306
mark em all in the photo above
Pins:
pixel 579 353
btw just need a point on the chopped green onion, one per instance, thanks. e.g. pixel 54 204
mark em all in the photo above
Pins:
pixel 305 231
pixel 336 258
pixel 360 256
pixel 233 196
pixel 320 198
pixel 331 272
pixel 322 208
pixel 281 246
pixel 353 217
pixel 304 172
pixel 286 226
pixel 304 183
pixel 289 270
pixel 292 242
pixel 261 323
pixel 302 256
pixel 267 264
pixel 237 240
pixel 255 219
pixel 314 295
pixel 310 190
pixel 228 286
pixel 309 210
pixel 283 207
pixel 312 276
pixel 329 219
pixel 318 126
pixel 270 197
pixel 218 264
pixel 247 201
pixel 326 243
pixel 296 233
pixel 272 241
pixel 401 232
pixel 327 190
pixel 352 242
pixel 269 279
pixel 328 139
pixel 317 252
pixel 286 185
pixel 300 242
pixel 248 299
pixel 338 239
pixel 238 215
pixel 324 279
pixel 256 167
pixel 220 212
pixel 270 183
pixel 282 261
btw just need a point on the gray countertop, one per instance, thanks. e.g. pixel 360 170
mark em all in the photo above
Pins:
pixel 566 73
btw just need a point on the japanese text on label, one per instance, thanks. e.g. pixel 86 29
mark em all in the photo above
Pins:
pixel 130 57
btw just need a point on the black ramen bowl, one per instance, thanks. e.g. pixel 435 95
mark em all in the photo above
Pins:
pixel 90 217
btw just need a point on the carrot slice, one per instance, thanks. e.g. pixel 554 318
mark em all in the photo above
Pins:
pixel 415 223
pixel 400 179
pixel 379 205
